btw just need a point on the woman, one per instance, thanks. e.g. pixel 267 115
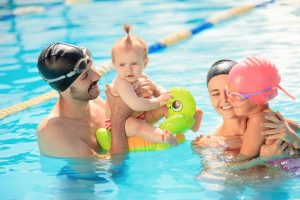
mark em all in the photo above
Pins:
pixel 229 133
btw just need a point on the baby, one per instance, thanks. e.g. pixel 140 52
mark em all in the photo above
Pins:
pixel 130 58
pixel 253 82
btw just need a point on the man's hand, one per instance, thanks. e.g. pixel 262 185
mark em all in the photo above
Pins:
pixel 143 87
pixel 117 105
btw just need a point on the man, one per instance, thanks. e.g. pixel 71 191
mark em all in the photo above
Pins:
pixel 70 128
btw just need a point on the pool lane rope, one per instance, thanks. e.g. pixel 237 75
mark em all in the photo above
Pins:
pixel 23 10
pixel 162 44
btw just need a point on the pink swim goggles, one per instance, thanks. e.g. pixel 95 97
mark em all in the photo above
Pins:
pixel 239 97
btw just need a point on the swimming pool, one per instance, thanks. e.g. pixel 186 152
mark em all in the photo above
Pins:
pixel 175 173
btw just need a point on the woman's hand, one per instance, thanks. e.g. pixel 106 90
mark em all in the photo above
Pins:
pixel 209 141
pixel 277 148
pixel 278 128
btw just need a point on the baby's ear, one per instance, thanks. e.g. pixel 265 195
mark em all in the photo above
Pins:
pixel 146 62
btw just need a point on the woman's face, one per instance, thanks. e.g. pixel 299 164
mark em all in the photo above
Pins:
pixel 218 97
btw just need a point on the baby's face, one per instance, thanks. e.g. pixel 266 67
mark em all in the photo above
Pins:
pixel 241 107
pixel 130 63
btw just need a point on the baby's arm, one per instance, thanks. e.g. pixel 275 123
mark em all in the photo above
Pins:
pixel 129 96
pixel 252 138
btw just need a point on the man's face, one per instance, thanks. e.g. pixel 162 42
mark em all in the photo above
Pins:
pixel 85 87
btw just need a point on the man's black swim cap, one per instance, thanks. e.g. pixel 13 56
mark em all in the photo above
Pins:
pixel 57 60
pixel 218 68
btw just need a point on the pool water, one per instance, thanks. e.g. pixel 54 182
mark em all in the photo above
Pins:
pixel 176 173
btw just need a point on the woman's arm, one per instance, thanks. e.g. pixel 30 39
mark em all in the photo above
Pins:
pixel 279 128
pixel 277 150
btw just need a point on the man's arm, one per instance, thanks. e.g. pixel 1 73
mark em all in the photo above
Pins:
pixel 119 113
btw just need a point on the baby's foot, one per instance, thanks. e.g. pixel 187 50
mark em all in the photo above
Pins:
pixel 169 138
pixel 198 119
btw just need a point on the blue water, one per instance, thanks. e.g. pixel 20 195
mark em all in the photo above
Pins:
pixel 176 173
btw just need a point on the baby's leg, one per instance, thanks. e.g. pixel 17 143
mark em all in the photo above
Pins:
pixel 154 116
pixel 134 126
pixel 198 119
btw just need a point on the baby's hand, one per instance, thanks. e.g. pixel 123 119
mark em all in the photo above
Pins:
pixel 164 98
pixel 169 138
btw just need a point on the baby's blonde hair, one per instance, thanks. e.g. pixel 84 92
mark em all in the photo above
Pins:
pixel 129 41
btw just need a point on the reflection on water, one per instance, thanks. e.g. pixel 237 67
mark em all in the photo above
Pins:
pixel 83 178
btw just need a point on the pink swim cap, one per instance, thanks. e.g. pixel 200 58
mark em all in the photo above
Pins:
pixel 255 74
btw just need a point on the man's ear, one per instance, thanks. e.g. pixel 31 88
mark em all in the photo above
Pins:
pixel 146 62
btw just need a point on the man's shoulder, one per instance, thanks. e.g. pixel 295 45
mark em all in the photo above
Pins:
pixel 52 124
pixel 56 138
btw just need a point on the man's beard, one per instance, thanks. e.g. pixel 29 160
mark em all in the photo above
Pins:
pixel 83 95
